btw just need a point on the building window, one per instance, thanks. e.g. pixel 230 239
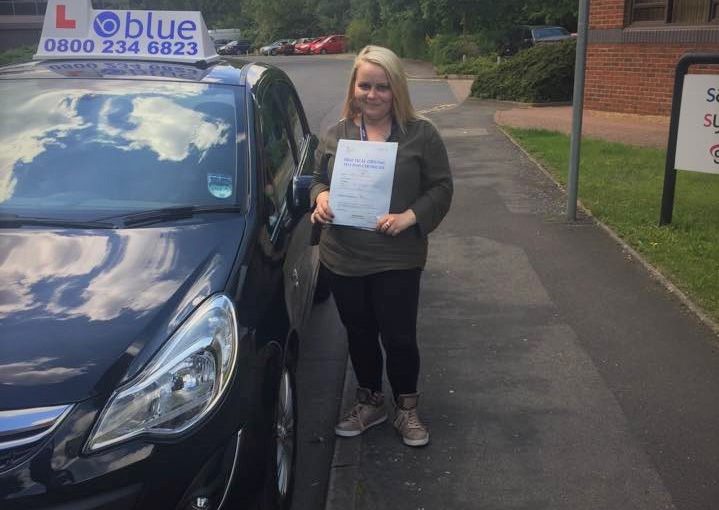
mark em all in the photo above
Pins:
pixel 649 10
pixel 680 12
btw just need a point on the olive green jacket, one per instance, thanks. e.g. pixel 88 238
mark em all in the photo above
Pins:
pixel 422 182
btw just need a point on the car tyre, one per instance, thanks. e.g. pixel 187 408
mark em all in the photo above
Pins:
pixel 323 51
pixel 281 453
pixel 273 52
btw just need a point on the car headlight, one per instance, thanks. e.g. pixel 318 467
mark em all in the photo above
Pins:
pixel 181 384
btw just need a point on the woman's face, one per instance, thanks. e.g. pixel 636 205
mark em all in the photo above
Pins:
pixel 372 91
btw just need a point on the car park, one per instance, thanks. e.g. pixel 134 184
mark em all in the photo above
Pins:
pixel 241 47
pixel 157 271
pixel 280 47
pixel 330 44
pixel 526 36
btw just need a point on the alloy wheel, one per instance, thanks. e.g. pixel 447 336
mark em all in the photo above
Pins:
pixel 285 431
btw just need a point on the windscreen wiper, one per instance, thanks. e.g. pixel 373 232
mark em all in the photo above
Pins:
pixel 15 221
pixel 172 213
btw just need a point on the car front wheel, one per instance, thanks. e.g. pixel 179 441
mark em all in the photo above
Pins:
pixel 282 450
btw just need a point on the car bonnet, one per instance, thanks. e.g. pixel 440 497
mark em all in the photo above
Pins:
pixel 77 307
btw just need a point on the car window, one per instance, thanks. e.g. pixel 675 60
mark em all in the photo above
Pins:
pixel 99 145
pixel 288 100
pixel 278 157
pixel 543 33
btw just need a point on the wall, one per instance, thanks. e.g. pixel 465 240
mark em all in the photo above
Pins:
pixel 631 70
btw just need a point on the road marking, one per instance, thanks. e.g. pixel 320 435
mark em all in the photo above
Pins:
pixel 437 108
pixel 458 132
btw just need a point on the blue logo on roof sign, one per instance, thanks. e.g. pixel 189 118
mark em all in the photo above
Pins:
pixel 106 24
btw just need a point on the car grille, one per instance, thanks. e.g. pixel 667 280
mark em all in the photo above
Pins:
pixel 22 432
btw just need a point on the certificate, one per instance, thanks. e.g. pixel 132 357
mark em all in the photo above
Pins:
pixel 361 186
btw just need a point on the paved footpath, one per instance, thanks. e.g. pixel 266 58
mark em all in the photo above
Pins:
pixel 556 373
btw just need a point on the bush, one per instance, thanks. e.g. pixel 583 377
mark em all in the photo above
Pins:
pixel 449 49
pixel 359 34
pixel 544 73
pixel 22 54
pixel 413 39
pixel 473 66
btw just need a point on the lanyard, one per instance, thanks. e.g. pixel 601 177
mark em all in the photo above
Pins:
pixel 363 130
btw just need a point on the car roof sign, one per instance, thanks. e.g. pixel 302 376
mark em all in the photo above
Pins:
pixel 72 29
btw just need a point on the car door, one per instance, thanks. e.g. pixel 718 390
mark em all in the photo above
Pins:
pixel 288 151
pixel 302 260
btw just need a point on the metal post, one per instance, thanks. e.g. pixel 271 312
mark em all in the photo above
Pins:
pixel 578 108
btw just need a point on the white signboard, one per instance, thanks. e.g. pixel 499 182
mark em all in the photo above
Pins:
pixel 362 178
pixel 72 29
pixel 698 137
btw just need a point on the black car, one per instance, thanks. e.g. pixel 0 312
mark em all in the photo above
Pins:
pixel 240 47
pixel 526 36
pixel 156 276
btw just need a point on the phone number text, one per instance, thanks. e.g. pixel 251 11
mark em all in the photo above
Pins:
pixel 121 47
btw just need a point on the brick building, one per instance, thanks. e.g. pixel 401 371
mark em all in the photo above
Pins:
pixel 634 46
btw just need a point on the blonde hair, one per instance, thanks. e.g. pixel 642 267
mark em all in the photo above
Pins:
pixel 402 109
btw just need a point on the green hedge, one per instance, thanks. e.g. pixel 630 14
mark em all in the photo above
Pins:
pixel 359 34
pixel 22 54
pixel 449 49
pixel 544 73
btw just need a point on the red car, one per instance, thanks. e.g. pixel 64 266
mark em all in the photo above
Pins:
pixel 330 44
pixel 302 46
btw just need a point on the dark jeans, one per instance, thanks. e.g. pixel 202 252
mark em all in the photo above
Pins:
pixel 381 305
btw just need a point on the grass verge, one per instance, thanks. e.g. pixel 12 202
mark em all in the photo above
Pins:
pixel 621 185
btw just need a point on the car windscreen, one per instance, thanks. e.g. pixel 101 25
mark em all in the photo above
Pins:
pixel 77 145
pixel 545 33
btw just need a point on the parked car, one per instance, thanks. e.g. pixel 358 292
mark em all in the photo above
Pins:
pixel 219 43
pixel 330 44
pixel 522 37
pixel 281 47
pixel 302 46
pixel 157 277
pixel 241 47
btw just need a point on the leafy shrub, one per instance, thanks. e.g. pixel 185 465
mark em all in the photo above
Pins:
pixel 470 66
pixel 413 39
pixel 22 54
pixel 359 34
pixel 543 73
pixel 448 48
pixel 405 37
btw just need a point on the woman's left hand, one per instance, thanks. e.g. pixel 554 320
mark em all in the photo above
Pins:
pixel 393 224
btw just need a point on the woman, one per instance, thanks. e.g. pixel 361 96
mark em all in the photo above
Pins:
pixel 374 275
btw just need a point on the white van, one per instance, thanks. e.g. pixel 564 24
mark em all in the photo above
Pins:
pixel 221 36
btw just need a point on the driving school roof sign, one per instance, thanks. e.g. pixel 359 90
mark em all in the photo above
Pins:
pixel 73 29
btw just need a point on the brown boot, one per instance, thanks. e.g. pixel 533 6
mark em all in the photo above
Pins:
pixel 368 411
pixel 407 423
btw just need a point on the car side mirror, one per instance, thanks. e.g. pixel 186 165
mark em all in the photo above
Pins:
pixel 299 199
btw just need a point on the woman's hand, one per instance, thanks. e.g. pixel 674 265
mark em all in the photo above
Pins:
pixel 393 224
pixel 322 212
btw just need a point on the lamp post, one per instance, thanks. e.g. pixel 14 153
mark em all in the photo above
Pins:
pixel 577 109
